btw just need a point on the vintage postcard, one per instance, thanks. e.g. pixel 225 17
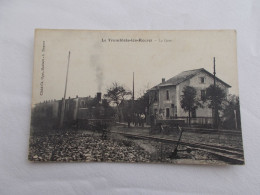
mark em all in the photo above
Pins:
pixel 136 96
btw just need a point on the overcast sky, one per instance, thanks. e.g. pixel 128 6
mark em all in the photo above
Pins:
pixel 95 65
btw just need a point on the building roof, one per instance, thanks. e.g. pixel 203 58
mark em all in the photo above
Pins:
pixel 183 76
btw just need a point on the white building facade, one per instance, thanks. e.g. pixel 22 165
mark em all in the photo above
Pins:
pixel 165 98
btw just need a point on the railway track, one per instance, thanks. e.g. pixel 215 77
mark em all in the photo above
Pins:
pixel 211 131
pixel 225 153
pixel 195 130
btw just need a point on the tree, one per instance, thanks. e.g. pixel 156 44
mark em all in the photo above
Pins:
pixel 231 113
pixel 215 95
pixel 145 100
pixel 189 100
pixel 142 103
pixel 116 94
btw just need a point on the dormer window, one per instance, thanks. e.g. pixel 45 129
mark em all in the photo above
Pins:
pixel 202 80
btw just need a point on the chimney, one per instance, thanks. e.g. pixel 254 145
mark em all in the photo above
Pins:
pixel 163 80
pixel 99 97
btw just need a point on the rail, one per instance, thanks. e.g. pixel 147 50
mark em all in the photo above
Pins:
pixel 230 154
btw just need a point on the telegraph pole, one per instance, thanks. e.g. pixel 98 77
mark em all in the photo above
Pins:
pixel 133 86
pixel 64 97
pixel 214 97
pixel 214 72
pixel 133 97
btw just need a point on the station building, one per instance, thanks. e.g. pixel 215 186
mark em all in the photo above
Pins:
pixel 165 98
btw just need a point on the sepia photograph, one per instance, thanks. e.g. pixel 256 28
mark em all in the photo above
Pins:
pixel 136 97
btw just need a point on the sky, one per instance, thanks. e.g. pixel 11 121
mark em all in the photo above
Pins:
pixel 97 59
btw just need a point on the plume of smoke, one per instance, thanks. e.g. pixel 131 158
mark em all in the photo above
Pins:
pixel 95 63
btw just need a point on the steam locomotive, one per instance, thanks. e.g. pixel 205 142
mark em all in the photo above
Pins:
pixel 80 113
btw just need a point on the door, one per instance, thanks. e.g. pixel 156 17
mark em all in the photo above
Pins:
pixel 167 112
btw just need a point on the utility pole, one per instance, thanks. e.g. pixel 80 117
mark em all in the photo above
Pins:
pixel 214 97
pixel 133 86
pixel 214 72
pixel 133 96
pixel 64 97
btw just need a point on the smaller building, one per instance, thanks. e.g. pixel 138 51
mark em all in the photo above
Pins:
pixel 165 98
pixel 47 114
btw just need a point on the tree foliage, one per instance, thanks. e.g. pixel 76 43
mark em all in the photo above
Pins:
pixel 117 94
pixel 141 103
pixel 189 100
pixel 232 107
pixel 215 96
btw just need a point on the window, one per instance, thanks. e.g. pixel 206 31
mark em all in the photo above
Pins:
pixel 155 96
pixel 202 80
pixel 203 95
pixel 167 112
pixel 167 95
